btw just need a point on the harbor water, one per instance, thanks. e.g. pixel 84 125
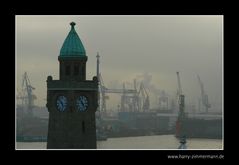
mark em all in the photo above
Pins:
pixel 141 142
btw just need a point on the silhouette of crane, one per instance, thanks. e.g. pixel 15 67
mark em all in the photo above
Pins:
pixel 204 96
pixel 26 94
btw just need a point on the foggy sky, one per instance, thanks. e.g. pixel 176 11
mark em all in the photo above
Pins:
pixel 129 46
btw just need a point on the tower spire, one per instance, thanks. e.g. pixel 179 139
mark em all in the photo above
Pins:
pixel 72 25
pixel 72 46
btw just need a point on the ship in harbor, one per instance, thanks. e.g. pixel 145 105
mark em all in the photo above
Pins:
pixel 133 117
pixel 202 125
pixel 126 124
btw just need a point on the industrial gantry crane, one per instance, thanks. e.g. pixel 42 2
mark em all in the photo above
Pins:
pixel 204 96
pixel 130 98
pixel 127 96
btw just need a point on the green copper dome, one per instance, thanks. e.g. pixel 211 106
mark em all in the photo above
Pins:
pixel 72 46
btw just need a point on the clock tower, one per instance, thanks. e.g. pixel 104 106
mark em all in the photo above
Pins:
pixel 72 100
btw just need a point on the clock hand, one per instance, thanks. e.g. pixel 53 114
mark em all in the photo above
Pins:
pixel 82 103
pixel 61 104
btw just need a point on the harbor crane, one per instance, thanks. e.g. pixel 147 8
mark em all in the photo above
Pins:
pixel 102 94
pixel 204 96
pixel 180 95
pixel 130 98
pixel 179 91
pixel 26 95
pixel 127 95
pixel 145 97
pixel 181 114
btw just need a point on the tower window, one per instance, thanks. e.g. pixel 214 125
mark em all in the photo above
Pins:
pixel 68 70
pixel 83 126
pixel 76 70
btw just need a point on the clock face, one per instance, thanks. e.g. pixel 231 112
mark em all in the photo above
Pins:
pixel 81 103
pixel 61 103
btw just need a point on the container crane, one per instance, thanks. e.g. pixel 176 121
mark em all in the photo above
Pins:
pixel 204 96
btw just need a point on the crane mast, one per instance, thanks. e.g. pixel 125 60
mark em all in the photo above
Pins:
pixel 145 97
pixel 204 96
pixel 179 92
pixel 27 93
pixel 98 78
pixel 102 96
pixel 130 98
pixel 98 65
pixel 181 114
pixel 180 95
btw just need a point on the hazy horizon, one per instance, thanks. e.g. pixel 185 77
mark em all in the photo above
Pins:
pixel 148 48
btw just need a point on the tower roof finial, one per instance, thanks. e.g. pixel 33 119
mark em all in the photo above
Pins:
pixel 72 24
pixel 72 46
